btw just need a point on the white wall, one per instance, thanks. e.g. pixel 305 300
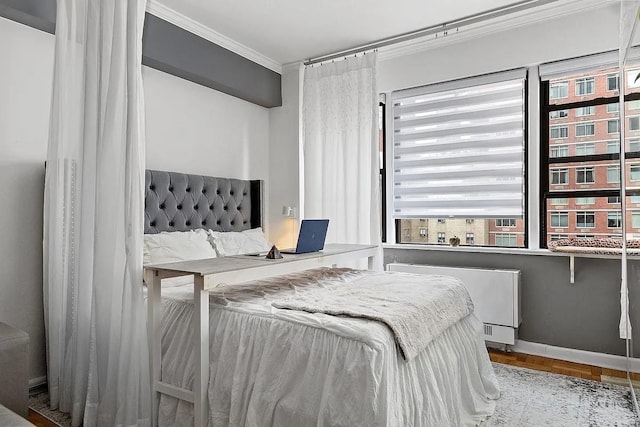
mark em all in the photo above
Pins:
pixel 190 128
pixel 26 72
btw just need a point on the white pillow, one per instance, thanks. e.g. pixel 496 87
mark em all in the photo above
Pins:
pixel 177 246
pixel 236 243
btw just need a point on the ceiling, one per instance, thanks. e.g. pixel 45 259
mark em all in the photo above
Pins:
pixel 292 30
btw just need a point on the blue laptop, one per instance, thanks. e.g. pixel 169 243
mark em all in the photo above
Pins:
pixel 311 237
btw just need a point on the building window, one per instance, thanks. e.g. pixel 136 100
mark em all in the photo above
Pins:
pixel 559 219
pixel 613 126
pixel 469 220
pixel 614 220
pixel 634 144
pixel 613 200
pixel 585 86
pixel 613 146
pixel 469 238
pixel 613 174
pixel 559 201
pixel 440 237
pixel 613 108
pixel 506 239
pixel 585 219
pixel 635 199
pixel 560 114
pixel 554 237
pixel 585 236
pixel 559 90
pixel 559 151
pixel 557 132
pixel 423 232
pixel 634 173
pixel 633 105
pixel 585 111
pixel 489 117
pixel 559 176
pixel 585 129
pixel 635 219
pixel 584 175
pixel 585 149
pixel 612 82
pixel 634 123
pixel 505 222
pixel 585 200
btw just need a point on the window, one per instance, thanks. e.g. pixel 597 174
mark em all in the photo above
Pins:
pixel 554 237
pixel 614 220
pixel 469 220
pixel 585 200
pixel 585 129
pixel 447 146
pixel 613 174
pixel 585 149
pixel 635 219
pixel 634 173
pixel 633 105
pixel 506 222
pixel 559 132
pixel 423 232
pixel 612 82
pixel 560 114
pixel 634 123
pixel 613 146
pixel 559 219
pixel 613 199
pixel 440 237
pixel 613 126
pixel 559 176
pixel 559 201
pixel 584 175
pixel 634 144
pixel 585 111
pixel 613 108
pixel 469 238
pixel 585 236
pixel 635 199
pixel 585 86
pixel 559 90
pixel 585 219
pixel 506 239
pixel 559 151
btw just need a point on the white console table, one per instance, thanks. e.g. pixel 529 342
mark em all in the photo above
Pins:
pixel 209 274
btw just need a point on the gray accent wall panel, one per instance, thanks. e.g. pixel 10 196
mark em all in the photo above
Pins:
pixel 173 50
pixel 169 48
pixel 581 316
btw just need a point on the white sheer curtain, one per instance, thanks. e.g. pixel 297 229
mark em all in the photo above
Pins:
pixel 97 351
pixel 628 16
pixel 340 149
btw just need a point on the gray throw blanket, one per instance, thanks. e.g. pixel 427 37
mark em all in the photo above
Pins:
pixel 417 308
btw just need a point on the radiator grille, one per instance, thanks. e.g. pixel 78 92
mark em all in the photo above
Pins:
pixel 488 330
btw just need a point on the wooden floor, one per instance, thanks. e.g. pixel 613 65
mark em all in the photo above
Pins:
pixel 556 366
pixel 516 359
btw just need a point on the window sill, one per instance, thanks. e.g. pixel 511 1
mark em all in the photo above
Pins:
pixel 499 250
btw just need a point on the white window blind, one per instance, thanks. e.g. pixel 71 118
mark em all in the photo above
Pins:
pixel 458 148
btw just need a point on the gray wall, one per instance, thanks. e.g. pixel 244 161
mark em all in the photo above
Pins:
pixel 581 316
pixel 175 51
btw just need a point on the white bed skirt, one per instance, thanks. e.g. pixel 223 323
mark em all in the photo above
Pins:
pixel 275 367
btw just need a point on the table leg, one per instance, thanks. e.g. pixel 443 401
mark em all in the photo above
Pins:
pixel 201 348
pixel 153 323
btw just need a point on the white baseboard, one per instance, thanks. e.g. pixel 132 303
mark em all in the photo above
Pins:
pixel 602 360
pixel 35 382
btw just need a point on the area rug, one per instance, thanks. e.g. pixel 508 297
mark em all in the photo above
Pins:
pixel 535 398
pixel 40 404
pixel 529 399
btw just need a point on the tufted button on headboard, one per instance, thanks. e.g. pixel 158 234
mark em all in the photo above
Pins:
pixel 180 202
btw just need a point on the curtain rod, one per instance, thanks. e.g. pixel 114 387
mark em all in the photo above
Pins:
pixel 434 29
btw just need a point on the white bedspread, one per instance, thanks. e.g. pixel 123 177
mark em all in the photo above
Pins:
pixel 415 313
pixel 273 367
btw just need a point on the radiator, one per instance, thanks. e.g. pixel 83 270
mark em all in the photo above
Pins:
pixel 495 295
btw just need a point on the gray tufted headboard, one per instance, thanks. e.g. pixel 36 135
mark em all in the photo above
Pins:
pixel 180 202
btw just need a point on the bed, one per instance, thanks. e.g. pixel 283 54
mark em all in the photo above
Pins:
pixel 291 367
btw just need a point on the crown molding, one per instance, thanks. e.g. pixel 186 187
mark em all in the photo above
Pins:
pixel 507 22
pixel 156 8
